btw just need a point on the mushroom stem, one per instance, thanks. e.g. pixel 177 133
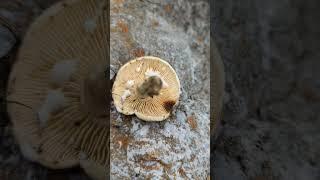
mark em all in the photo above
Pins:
pixel 150 87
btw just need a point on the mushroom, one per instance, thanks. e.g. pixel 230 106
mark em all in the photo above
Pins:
pixel 153 92
pixel 61 115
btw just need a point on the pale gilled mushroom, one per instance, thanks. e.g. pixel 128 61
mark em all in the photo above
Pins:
pixel 60 84
pixel 147 87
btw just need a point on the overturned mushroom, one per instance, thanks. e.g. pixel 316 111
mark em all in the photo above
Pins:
pixel 147 87
pixel 60 83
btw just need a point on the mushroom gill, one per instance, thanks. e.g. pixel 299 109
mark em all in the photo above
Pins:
pixel 155 91
pixel 79 129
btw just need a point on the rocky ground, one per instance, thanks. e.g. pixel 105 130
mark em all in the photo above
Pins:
pixel 177 148
pixel 270 119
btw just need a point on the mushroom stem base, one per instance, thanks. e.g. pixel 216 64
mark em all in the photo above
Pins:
pixel 150 87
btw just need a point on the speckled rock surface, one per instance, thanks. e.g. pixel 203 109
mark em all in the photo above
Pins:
pixel 179 146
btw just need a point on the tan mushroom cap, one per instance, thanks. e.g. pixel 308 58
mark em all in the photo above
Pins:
pixel 156 108
pixel 56 36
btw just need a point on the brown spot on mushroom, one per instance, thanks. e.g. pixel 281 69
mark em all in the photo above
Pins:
pixel 168 105
pixel 139 52
pixel 192 122
pixel 123 26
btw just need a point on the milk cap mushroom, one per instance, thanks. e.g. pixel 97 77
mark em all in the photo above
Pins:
pixel 147 87
pixel 56 120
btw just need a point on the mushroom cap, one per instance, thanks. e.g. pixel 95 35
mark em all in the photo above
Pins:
pixel 156 108
pixel 218 84
pixel 61 34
